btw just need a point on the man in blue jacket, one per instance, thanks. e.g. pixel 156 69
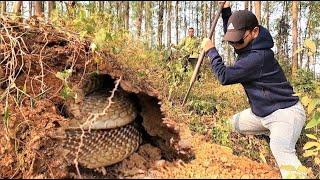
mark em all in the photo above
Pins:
pixel 274 110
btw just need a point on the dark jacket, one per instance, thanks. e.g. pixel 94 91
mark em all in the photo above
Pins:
pixel 258 71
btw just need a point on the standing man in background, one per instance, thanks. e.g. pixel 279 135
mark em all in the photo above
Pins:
pixel 189 48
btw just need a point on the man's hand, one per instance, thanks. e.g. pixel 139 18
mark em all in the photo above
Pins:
pixel 226 5
pixel 207 44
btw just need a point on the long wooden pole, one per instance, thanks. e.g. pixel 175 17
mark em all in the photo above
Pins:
pixel 200 59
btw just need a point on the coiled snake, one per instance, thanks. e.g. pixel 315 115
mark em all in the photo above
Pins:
pixel 105 139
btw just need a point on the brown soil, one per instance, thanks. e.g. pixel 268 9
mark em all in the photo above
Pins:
pixel 29 140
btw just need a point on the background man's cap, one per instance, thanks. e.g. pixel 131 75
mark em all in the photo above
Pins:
pixel 238 23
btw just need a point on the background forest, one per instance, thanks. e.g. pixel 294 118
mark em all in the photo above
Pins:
pixel 140 34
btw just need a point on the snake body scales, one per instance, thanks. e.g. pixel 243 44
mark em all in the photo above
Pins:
pixel 106 139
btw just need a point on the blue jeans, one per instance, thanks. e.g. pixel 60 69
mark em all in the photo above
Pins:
pixel 283 126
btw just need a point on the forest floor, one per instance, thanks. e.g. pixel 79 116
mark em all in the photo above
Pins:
pixel 34 114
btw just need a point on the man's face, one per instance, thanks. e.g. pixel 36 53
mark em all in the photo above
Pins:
pixel 248 36
pixel 191 32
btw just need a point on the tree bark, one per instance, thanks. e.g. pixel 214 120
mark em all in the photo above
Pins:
pixel 294 37
pixel 169 23
pixel 3 7
pixel 197 18
pixel 177 22
pixel 268 14
pixel 139 18
pixel 204 19
pixel 300 40
pixel 100 6
pixel 17 8
pixel 148 22
pixel 51 7
pixel 38 8
pixel 257 10
pixel 126 19
pixel 307 32
pixel 185 18
pixel 30 8
pixel 160 24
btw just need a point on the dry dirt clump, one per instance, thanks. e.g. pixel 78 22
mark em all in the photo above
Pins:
pixel 32 107
pixel 212 161
pixel 32 56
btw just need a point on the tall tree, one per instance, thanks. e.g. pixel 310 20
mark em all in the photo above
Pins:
pixel 192 14
pixel 3 7
pixel 118 14
pixel 177 21
pixel 160 23
pixel 300 40
pixel 286 42
pixel 30 8
pixel 294 37
pixel 101 6
pixel 169 22
pixel 17 8
pixel 267 13
pixel 148 22
pixel 197 18
pixel 185 18
pixel 38 8
pixel 51 7
pixel 308 30
pixel 140 16
pixel 257 10
pixel 203 19
pixel 126 18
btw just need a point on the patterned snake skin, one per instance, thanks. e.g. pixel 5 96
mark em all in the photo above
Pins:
pixel 107 139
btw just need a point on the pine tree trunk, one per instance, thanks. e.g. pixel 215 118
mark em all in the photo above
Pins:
pixel 160 24
pixel 177 22
pixel 192 14
pixel 139 19
pixel 3 7
pixel 38 8
pixel 148 22
pixel 169 22
pixel 17 8
pixel 204 19
pixel 286 43
pixel 51 7
pixel 257 10
pixel 185 18
pixel 294 37
pixel 307 32
pixel 118 14
pixel 30 8
pixel 100 6
pixel 268 14
pixel 300 36
pixel 197 18
pixel 126 18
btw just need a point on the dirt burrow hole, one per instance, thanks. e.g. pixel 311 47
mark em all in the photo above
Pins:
pixel 158 140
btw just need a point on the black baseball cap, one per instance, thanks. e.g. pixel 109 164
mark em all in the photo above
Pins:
pixel 238 23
